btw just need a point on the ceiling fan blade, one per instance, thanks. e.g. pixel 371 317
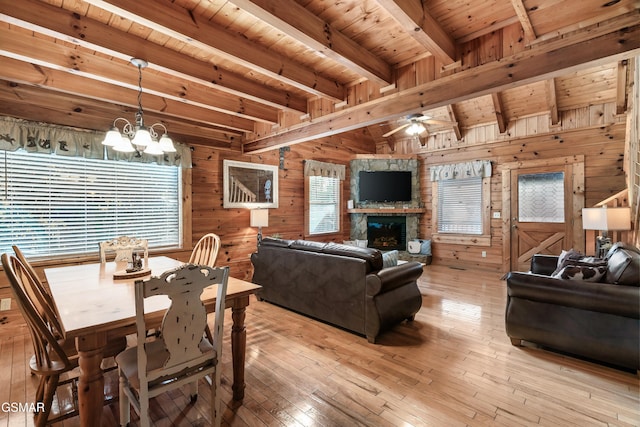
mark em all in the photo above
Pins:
pixel 441 122
pixel 399 128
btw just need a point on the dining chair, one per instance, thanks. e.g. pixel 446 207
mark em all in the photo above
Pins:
pixel 41 297
pixel 206 250
pixel 181 354
pixel 49 360
pixel 123 246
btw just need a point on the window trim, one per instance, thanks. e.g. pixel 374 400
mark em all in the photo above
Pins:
pixel 339 232
pixel 483 239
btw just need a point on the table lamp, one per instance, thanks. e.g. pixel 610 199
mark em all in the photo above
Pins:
pixel 605 219
pixel 259 218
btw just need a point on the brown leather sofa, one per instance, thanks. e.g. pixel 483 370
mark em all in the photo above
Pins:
pixel 345 286
pixel 595 320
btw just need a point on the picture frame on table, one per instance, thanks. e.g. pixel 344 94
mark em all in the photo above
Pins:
pixel 249 185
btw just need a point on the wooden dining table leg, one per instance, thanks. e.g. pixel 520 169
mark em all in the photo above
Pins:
pixel 238 345
pixel 91 381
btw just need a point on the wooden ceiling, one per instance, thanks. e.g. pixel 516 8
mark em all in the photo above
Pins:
pixel 262 74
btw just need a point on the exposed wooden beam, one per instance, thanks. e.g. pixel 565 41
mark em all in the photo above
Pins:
pixel 83 31
pixel 452 117
pixel 36 75
pixel 417 21
pixel 541 62
pixel 296 21
pixel 38 104
pixel 621 88
pixel 523 17
pixel 174 21
pixel 552 101
pixel 77 61
pixel 498 110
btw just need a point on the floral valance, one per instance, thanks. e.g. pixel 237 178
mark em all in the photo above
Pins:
pixel 329 170
pixel 66 141
pixel 476 168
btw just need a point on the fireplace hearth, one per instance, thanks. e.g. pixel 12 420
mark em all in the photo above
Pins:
pixel 387 233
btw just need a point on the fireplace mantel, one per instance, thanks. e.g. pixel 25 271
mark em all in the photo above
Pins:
pixel 393 211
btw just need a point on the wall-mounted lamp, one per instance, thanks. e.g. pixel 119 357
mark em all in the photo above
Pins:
pixel 259 218
pixel 605 219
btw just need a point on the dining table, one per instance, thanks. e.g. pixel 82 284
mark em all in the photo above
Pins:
pixel 94 301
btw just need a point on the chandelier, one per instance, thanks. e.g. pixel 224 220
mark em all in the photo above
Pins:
pixel 144 138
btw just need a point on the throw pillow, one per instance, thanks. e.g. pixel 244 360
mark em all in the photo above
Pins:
pixel 582 272
pixel 425 247
pixel 389 259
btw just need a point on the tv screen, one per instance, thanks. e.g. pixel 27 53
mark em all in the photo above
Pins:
pixel 385 186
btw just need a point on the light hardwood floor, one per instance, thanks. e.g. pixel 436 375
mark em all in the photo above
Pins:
pixel 452 366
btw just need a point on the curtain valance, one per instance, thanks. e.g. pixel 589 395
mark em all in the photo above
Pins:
pixel 66 141
pixel 328 170
pixel 476 168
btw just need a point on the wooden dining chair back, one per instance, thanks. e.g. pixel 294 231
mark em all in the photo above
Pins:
pixel 123 246
pixel 206 250
pixel 49 361
pixel 181 354
pixel 40 295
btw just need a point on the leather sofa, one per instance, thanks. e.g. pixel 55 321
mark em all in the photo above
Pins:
pixel 345 286
pixel 595 320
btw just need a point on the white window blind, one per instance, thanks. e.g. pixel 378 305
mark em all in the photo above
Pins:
pixel 460 206
pixel 53 205
pixel 324 204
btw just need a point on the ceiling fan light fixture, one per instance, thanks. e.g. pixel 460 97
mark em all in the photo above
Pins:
pixel 415 128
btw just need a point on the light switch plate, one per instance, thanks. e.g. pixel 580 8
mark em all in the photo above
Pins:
pixel 5 304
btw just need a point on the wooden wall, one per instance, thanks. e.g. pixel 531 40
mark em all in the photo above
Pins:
pixel 232 225
pixel 603 147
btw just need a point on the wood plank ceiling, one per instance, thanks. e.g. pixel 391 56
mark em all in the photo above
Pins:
pixel 261 74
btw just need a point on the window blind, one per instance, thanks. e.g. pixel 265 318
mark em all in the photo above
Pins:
pixel 460 206
pixel 54 205
pixel 324 203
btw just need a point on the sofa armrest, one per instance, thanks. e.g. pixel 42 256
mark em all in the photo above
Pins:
pixel 544 264
pixel 391 278
pixel 601 297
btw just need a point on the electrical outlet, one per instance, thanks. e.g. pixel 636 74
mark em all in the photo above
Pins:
pixel 484 254
pixel 5 304
pixel 496 214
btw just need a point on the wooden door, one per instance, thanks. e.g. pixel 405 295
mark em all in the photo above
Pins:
pixel 544 201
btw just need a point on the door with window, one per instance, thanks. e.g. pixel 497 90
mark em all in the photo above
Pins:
pixel 543 203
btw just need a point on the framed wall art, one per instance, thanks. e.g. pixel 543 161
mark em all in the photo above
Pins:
pixel 249 185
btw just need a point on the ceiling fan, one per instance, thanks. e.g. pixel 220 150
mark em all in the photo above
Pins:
pixel 415 124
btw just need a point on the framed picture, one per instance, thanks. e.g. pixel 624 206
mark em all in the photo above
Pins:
pixel 250 185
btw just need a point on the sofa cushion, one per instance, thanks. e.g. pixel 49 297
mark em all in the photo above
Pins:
pixel 307 245
pixel 623 265
pixel 281 243
pixel 582 272
pixel 373 257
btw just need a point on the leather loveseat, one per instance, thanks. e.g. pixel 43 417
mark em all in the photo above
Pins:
pixel 596 320
pixel 343 285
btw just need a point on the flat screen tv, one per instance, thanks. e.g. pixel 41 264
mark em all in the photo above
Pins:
pixel 384 186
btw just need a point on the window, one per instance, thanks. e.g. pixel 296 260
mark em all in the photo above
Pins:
pixel 461 211
pixel 323 196
pixel 54 205
pixel 460 206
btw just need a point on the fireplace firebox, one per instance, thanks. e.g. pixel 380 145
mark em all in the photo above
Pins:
pixel 387 232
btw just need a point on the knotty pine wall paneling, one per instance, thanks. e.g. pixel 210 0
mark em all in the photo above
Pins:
pixel 602 147
pixel 238 239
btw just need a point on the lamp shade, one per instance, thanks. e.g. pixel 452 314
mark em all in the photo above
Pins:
pixel 606 219
pixel 259 217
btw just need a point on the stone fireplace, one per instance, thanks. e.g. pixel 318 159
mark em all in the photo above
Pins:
pixel 387 232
